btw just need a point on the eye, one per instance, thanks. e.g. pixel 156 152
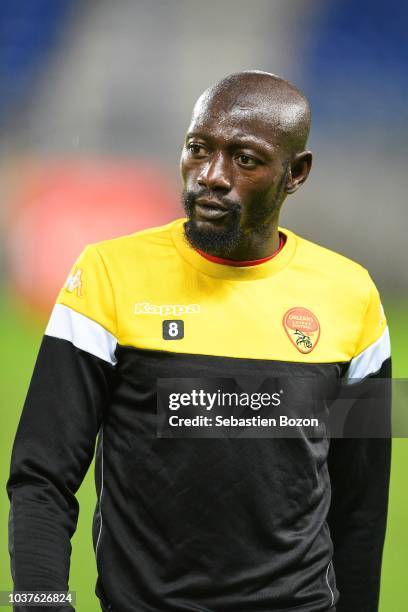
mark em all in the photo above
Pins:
pixel 246 160
pixel 197 150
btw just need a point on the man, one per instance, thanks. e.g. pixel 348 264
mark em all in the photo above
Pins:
pixel 209 523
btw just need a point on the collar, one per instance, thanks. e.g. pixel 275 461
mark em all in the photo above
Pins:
pixel 249 262
pixel 273 264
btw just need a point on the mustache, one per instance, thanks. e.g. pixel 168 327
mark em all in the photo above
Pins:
pixel 190 198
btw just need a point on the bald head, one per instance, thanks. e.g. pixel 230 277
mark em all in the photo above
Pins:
pixel 243 153
pixel 264 97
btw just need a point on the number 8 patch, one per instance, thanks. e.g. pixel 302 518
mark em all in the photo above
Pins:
pixel 173 330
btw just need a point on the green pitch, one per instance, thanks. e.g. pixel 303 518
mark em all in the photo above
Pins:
pixel 20 342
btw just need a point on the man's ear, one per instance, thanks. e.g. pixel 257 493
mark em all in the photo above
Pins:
pixel 298 171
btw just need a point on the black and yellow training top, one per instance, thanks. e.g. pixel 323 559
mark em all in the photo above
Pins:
pixel 204 524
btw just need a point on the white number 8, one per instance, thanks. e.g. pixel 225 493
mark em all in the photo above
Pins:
pixel 173 329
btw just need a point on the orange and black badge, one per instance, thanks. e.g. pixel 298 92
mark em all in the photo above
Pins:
pixel 302 328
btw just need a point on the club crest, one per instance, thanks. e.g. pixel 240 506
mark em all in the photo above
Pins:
pixel 302 328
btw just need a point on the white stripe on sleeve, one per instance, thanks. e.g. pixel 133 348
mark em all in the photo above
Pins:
pixel 84 333
pixel 371 359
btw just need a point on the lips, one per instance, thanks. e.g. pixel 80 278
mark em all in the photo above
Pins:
pixel 210 209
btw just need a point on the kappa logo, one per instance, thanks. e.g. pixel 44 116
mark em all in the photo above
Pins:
pixel 302 328
pixel 166 309
pixel 74 282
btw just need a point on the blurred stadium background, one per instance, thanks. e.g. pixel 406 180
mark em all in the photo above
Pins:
pixel 95 98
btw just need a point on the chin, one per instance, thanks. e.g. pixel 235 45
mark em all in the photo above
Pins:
pixel 209 225
pixel 211 236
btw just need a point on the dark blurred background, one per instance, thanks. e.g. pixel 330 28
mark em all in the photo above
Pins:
pixel 95 99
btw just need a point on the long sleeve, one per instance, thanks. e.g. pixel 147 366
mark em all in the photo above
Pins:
pixel 61 417
pixel 359 467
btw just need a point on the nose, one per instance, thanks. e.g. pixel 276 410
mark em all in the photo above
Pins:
pixel 215 173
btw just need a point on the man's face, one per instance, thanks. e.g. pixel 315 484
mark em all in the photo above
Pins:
pixel 234 173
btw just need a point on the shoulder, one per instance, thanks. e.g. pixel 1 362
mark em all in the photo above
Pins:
pixel 140 244
pixel 323 258
pixel 332 267
pixel 104 266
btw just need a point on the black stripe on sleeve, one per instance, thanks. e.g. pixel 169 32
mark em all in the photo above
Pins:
pixel 52 450
pixel 359 470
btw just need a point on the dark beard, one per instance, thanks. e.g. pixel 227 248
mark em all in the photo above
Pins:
pixel 220 241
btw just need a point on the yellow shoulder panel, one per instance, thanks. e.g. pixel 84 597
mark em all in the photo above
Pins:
pixel 374 320
pixel 88 289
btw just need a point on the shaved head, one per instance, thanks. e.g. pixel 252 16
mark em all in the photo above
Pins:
pixel 264 96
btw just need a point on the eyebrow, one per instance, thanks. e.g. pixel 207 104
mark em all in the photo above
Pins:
pixel 244 141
